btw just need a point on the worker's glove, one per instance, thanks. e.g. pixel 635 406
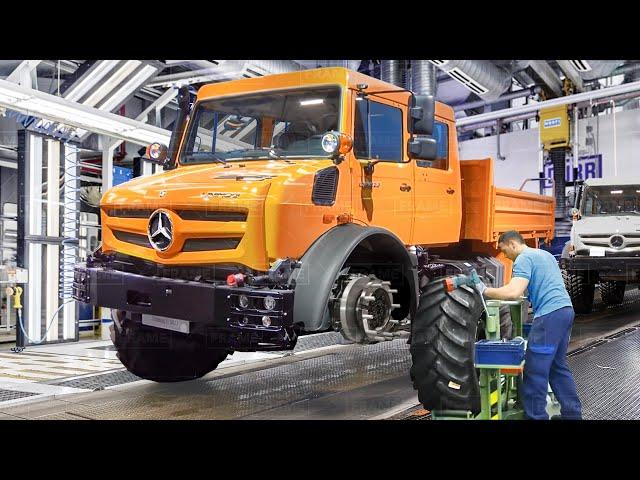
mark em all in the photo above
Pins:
pixel 477 283
pixel 480 287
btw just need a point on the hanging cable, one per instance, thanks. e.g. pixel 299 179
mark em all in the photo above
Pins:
pixel 53 317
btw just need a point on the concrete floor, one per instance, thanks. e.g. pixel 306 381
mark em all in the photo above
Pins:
pixel 321 380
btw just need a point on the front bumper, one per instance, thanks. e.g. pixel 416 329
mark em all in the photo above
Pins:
pixel 608 264
pixel 211 309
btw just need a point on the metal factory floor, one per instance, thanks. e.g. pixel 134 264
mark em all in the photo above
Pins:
pixel 322 379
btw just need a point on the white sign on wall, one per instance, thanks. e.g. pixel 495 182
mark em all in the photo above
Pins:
pixel 589 166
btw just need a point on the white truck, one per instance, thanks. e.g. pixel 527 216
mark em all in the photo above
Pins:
pixel 604 247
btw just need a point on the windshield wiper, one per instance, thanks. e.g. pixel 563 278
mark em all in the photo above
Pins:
pixel 204 156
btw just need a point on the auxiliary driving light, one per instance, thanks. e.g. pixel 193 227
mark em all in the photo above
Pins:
pixel 269 303
pixel 157 152
pixel 266 321
pixel 243 301
pixel 336 143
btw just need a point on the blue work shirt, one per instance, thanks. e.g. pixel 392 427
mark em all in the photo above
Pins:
pixel 546 287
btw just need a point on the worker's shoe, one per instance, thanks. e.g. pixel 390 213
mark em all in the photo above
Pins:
pixel 560 417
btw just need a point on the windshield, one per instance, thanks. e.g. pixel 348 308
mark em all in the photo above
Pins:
pixel 265 125
pixel 611 200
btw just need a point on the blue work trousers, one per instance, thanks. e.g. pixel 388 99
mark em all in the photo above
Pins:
pixel 546 364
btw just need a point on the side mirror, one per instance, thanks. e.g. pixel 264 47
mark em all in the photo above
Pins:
pixel 421 114
pixel 424 148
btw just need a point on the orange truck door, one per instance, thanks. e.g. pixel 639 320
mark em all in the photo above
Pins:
pixel 438 201
pixel 385 197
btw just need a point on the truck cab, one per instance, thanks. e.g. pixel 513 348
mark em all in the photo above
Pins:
pixel 604 246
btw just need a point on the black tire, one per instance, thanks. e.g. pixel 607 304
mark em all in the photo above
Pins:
pixel 443 348
pixel 164 355
pixel 580 290
pixel 612 292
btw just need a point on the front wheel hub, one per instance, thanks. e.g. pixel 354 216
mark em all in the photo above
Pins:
pixel 365 309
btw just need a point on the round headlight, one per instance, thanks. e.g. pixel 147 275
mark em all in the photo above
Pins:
pixel 330 142
pixel 243 301
pixel 157 151
pixel 269 303
pixel 266 321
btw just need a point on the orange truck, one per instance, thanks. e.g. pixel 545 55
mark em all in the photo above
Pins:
pixel 300 202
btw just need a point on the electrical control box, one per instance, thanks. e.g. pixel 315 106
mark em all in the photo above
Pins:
pixel 554 127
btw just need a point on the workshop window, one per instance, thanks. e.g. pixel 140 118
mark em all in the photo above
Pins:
pixel 378 131
pixel 441 136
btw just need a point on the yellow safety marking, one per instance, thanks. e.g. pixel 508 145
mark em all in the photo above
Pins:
pixel 495 417
pixel 51 361
pixel 38 371
pixel 493 397
pixel 24 377
pixel 66 370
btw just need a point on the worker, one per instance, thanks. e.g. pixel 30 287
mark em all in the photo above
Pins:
pixel 546 356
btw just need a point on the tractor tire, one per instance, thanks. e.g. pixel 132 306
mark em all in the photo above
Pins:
pixel 164 355
pixel 442 348
pixel 580 290
pixel 612 292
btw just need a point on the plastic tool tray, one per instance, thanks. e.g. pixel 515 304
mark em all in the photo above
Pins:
pixel 499 352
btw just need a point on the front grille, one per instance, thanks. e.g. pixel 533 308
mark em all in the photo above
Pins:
pixel 212 215
pixel 325 186
pixel 208 244
pixel 600 240
pixel 134 238
pixel 129 213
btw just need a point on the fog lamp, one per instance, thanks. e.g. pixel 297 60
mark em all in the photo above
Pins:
pixel 269 303
pixel 243 301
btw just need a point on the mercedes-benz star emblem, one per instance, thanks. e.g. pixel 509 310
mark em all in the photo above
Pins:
pixel 616 241
pixel 160 230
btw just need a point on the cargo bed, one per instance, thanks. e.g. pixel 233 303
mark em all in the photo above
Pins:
pixel 489 211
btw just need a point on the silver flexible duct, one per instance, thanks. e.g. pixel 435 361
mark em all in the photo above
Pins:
pixel 391 71
pixel 481 77
pixel 423 78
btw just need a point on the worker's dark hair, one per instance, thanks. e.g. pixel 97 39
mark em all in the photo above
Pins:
pixel 510 235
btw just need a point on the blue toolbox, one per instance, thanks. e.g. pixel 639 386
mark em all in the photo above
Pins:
pixel 499 352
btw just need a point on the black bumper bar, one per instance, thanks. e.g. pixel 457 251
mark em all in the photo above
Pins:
pixel 206 306
pixel 601 264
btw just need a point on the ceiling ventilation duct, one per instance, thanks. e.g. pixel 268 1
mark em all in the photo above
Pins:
pixel 478 76
pixel 423 77
pixel 394 71
pixel 350 64
pixel 270 67
pixel 591 69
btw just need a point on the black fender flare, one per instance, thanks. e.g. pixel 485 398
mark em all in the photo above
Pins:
pixel 322 262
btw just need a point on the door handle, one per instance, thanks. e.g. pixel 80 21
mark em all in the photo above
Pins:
pixel 405 187
pixel 450 191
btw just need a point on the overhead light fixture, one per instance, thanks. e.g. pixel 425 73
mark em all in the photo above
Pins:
pixel 126 69
pixel 89 80
pixel 616 192
pixel 58 109
pixel 313 101
pixel 120 95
